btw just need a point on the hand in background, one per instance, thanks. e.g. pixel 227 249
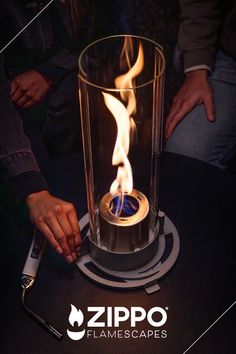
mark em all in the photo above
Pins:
pixel 57 221
pixel 29 88
pixel 194 91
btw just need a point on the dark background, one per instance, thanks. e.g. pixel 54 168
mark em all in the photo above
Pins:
pixel 154 19
pixel 158 20
pixel 198 289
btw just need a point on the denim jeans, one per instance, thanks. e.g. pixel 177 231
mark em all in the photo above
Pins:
pixel 196 137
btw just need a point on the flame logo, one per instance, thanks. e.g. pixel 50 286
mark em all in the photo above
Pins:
pixel 76 316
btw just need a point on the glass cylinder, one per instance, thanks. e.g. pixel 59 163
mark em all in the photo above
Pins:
pixel 121 81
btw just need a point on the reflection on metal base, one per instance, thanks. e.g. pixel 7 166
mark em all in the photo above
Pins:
pixel 124 232
pixel 146 276
pixel 124 220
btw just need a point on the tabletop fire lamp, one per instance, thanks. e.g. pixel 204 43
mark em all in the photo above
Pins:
pixel 127 241
pixel 121 85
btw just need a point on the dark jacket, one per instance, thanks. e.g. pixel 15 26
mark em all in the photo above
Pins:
pixel 206 26
pixel 35 48
pixel 17 161
pixel 38 48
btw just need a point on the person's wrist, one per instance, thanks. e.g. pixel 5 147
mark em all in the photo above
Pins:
pixel 33 197
pixel 200 73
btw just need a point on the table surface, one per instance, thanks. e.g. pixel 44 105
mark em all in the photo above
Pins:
pixel 200 200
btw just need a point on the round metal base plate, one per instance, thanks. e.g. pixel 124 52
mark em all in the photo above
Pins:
pixel 146 276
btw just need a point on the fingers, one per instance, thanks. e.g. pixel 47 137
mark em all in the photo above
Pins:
pixel 67 219
pixel 45 230
pixel 177 113
pixel 17 95
pixel 29 103
pixel 209 107
pixel 66 227
pixel 180 109
pixel 14 87
pixel 30 84
pixel 73 220
pixel 60 237
pixel 57 221
pixel 194 91
pixel 23 100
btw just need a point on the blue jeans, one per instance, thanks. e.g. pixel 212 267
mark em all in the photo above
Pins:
pixel 196 137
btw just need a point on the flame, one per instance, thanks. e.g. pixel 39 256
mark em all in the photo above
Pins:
pixel 126 127
pixel 124 178
pixel 126 81
pixel 127 53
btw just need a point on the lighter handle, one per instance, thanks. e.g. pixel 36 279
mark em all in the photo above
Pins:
pixel 34 255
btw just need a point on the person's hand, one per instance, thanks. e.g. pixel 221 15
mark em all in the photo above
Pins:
pixel 29 88
pixel 57 221
pixel 194 91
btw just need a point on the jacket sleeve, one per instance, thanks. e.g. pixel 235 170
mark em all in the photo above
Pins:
pixel 65 60
pixel 17 161
pixel 200 23
pixel 58 65
pixel 101 19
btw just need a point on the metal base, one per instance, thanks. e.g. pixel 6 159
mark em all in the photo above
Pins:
pixel 146 276
pixel 123 261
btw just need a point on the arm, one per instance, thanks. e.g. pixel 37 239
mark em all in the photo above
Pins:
pixel 16 157
pixel 200 22
pixel 58 65
pixel 55 218
pixel 199 27
pixel 32 86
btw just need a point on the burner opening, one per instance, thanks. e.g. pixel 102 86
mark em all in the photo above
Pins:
pixel 124 206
